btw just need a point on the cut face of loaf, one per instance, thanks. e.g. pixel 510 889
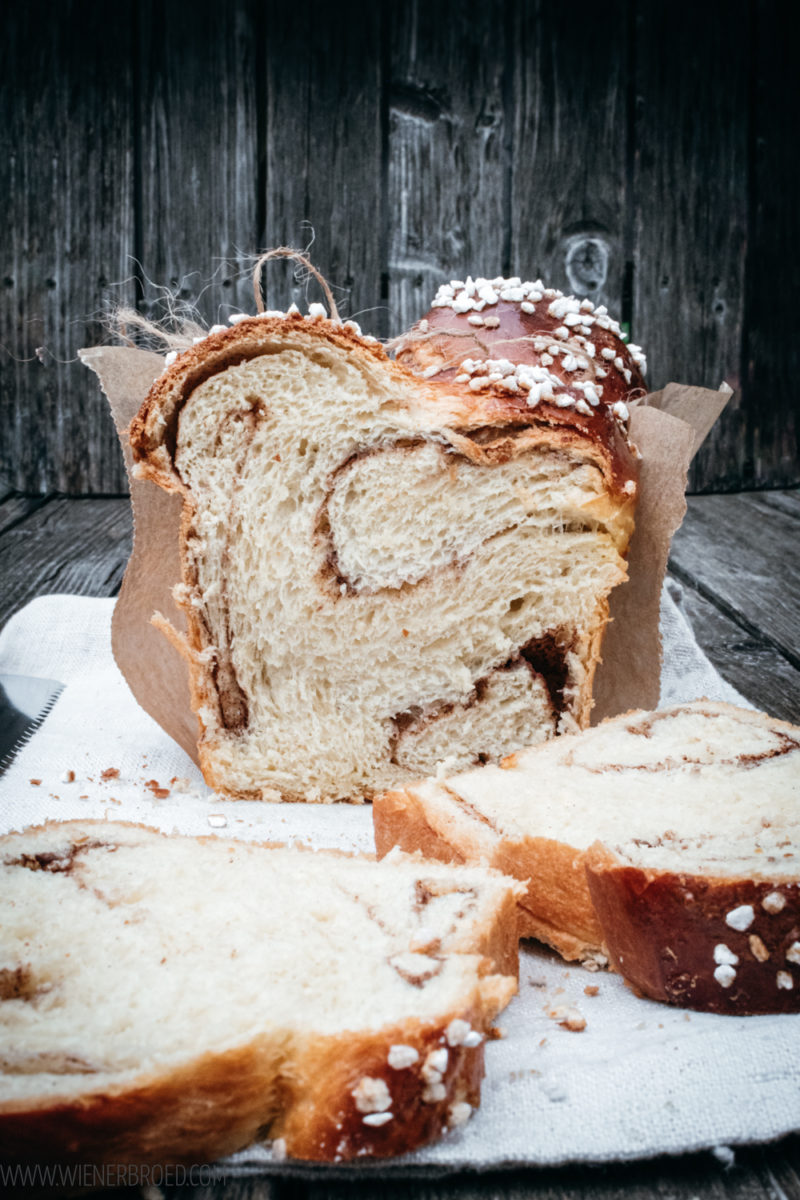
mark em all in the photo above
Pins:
pixel 170 999
pixel 380 570
pixel 668 840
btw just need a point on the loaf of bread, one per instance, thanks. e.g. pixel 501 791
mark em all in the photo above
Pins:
pixel 387 564
pixel 172 999
pixel 667 841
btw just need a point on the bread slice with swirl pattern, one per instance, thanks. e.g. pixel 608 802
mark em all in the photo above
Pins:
pixel 169 999
pixel 667 841
pixel 381 568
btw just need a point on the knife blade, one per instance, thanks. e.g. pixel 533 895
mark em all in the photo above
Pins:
pixel 25 701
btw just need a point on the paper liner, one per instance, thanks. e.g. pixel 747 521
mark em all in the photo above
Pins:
pixel 155 672
pixel 666 426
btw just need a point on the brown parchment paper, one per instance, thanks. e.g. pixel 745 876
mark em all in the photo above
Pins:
pixel 155 672
pixel 666 426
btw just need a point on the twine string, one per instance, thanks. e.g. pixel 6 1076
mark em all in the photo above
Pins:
pixel 298 256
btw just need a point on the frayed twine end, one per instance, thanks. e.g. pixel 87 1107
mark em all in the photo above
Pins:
pixel 298 256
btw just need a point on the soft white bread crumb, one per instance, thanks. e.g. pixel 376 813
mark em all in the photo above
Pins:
pixel 378 572
pixel 196 993
pixel 703 789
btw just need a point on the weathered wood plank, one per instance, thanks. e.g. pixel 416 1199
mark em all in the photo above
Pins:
pixel 248 1188
pixel 567 209
pixel 788 502
pixel 447 168
pixel 14 509
pixel 199 174
pixel 76 546
pixel 690 196
pixel 232 1188
pixel 770 454
pixel 324 157
pixel 760 1173
pixel 66 168
pixel 742 554
pixel 750 664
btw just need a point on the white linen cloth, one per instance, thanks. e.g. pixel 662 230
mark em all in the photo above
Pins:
pixel 642 1078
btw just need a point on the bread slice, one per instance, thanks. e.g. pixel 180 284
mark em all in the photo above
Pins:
pixel 384 568
pixel 173 999
pixel 667 840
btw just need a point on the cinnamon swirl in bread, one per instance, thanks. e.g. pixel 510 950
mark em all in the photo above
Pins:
pixel 387 564
pixel 173 999
pixel 667 841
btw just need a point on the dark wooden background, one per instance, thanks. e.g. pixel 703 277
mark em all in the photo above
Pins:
pixel 641 154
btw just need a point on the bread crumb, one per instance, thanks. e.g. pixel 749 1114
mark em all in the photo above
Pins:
pixel 568 1018
pixel 591 989
pixel 159 792
pixel 217 820
pixel 35 782
pixel 68 777
pixel 553 1090
pixel 110 773
pixel 725 1155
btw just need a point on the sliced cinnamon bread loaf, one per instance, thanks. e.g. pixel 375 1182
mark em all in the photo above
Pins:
pixel 669 841
pixel 171 999
pixel 386 564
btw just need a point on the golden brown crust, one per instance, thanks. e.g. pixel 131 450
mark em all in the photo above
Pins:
pixel 555 908
pixel 272 1086
pixel 325 1124
pixel 658 928
pixel 168 1118
pixel 664 932
pixel 221 1103
pixel 398 819
pixel 486 428
pixel 511 426
pixel 153 430
pixel 444 338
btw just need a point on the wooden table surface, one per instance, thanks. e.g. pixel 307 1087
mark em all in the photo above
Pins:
pixel 738 560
